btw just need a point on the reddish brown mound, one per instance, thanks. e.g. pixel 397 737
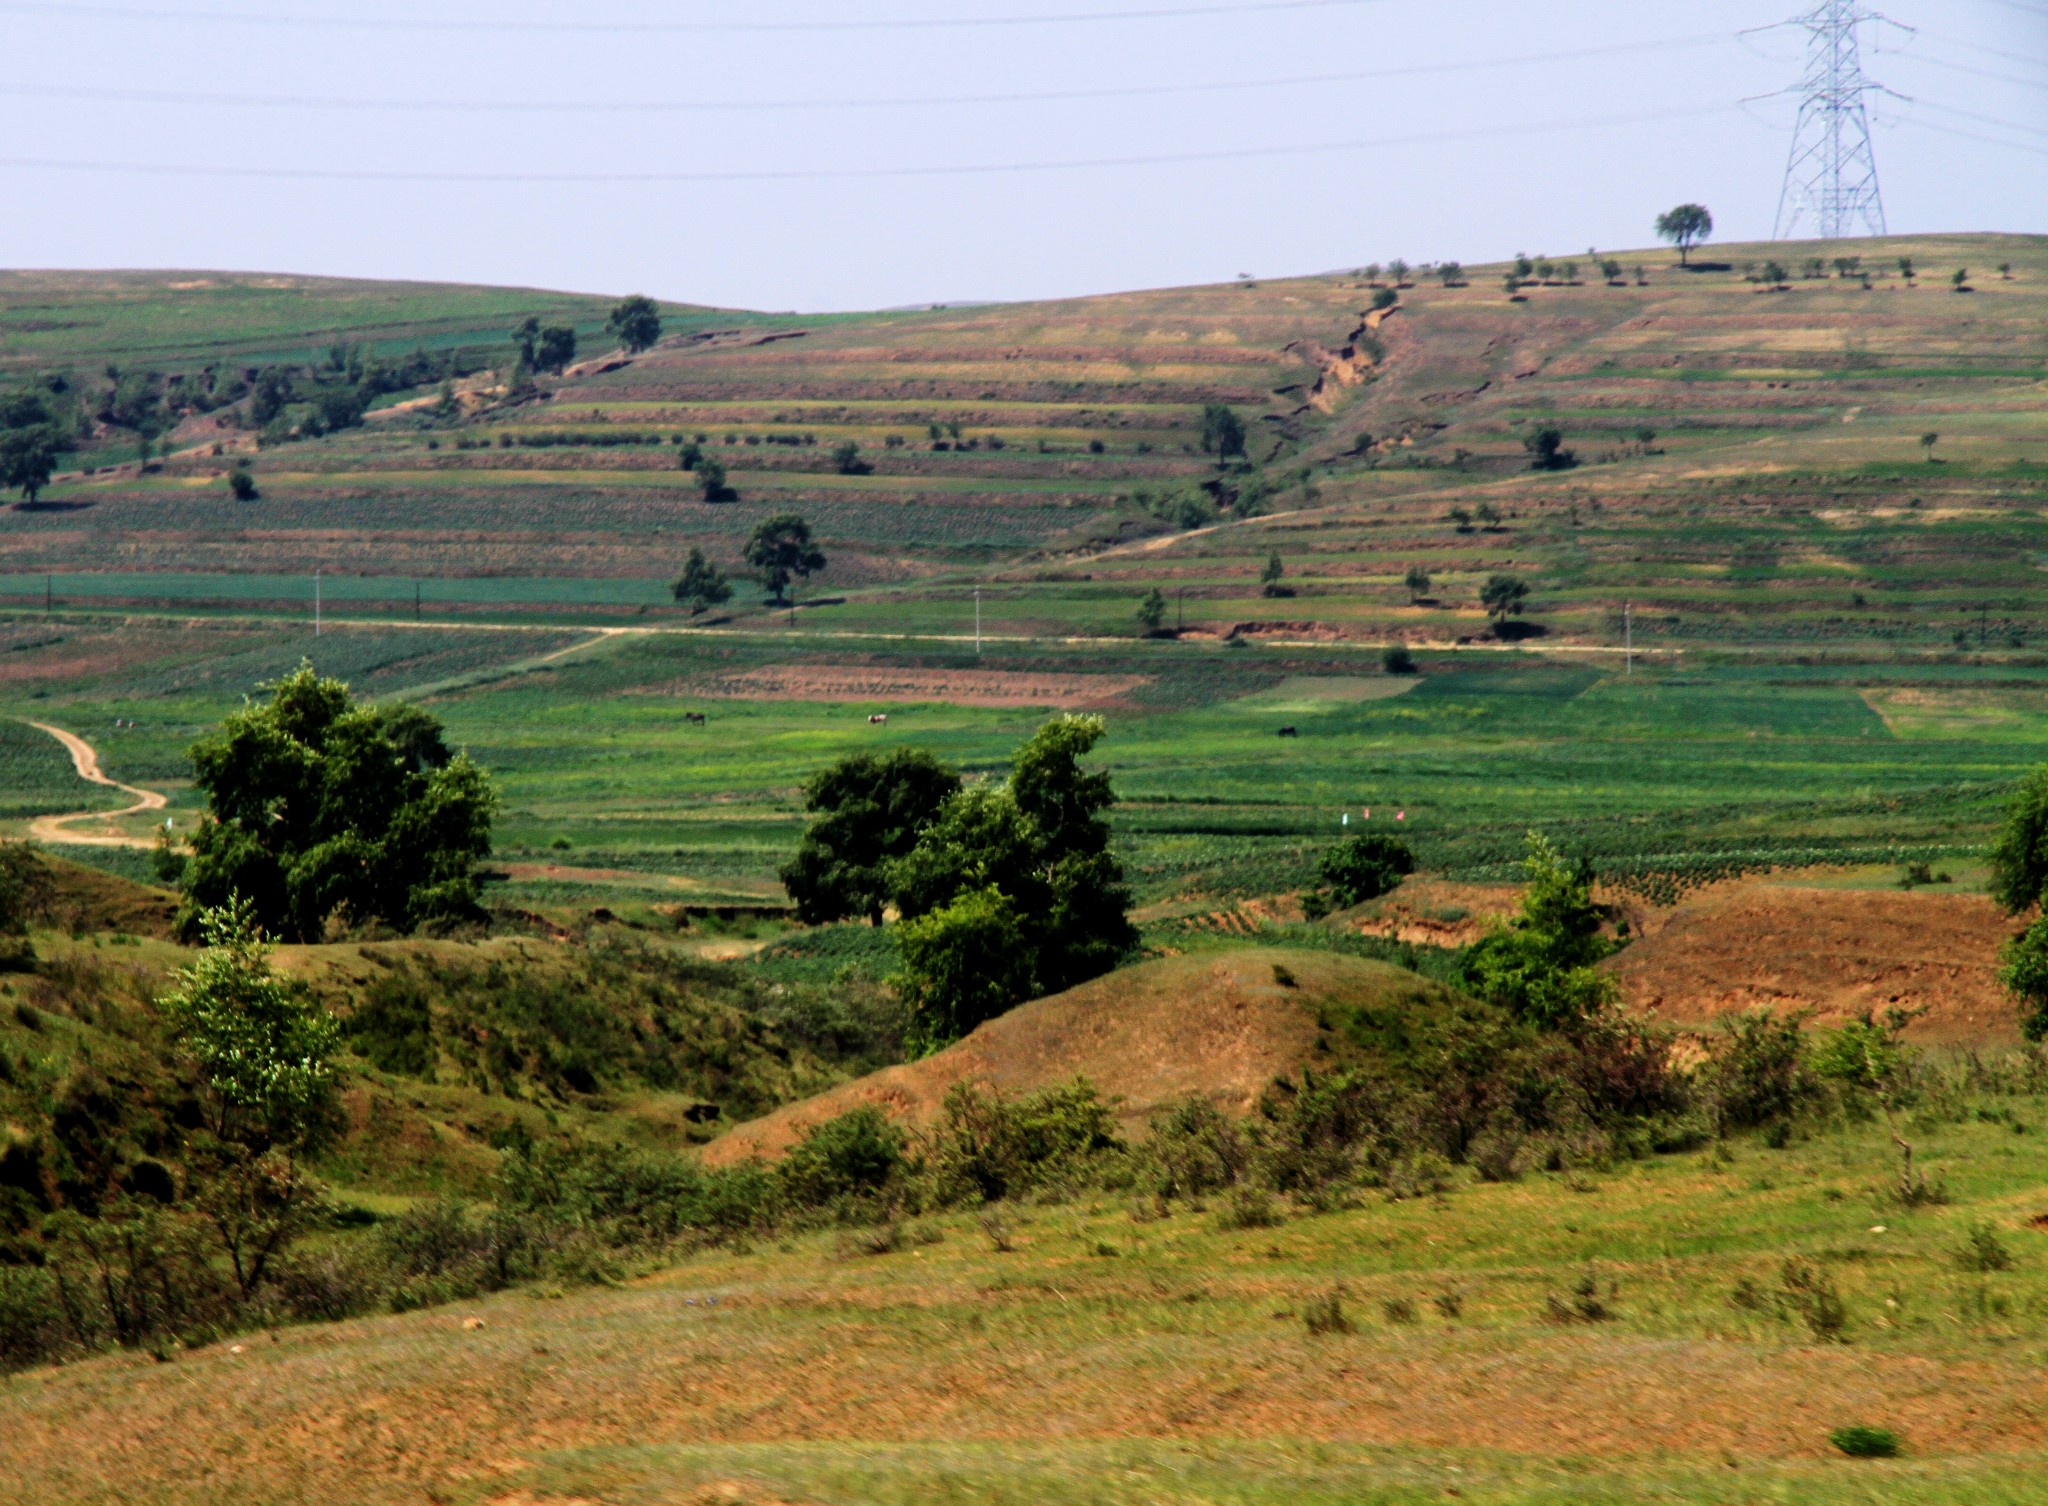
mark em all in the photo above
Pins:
pixel 1218 1025
pixel 1837 952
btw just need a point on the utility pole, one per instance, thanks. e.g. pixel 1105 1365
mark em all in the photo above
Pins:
pixel 977 622
pixel 49 594
pixel 1628 639
pixel 1831 187
pixel 1180 611
pixel 316 603
pixel 415 601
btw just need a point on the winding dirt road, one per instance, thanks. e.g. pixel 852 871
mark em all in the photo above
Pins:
pixel 54 829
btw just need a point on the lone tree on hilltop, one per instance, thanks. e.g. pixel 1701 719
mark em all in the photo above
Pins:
pixel 635 323
pixel 1222 431
pixel 701 585
pixel 1685 227
pixel 1451 274
pixel 318 806
pixel 1417 582
pixel 1503 596
pixel 868 813
pixel 1927 443
pixel 782 550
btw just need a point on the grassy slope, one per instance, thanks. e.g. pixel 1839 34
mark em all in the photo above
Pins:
pixel 1177 1370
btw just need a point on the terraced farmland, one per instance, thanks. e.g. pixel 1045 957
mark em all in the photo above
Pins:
pixel 1837 627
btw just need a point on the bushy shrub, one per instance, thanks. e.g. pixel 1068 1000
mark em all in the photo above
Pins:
pixel 987 1146
pixel 853 1156
pixel 1325 1315
pixel 1196 1149
pixel 1860 1442
pixel 1758 1072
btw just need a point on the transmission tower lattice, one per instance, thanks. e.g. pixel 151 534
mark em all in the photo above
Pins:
pixel 1831 176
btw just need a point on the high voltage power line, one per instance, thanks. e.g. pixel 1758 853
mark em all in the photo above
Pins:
pixel 1164 159
pixel 284 18
pixel 97 94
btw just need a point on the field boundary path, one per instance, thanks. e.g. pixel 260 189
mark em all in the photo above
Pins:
pixel 87 762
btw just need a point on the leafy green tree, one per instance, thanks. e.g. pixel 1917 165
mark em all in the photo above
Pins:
pixel 868 813
pixel 555 347
pixel 846 459
pixel 1385 298
pixel 635 323
pixel 1685 227
pixel 963 963
pixel 2019 857
pixel 1546 449
pixel 317 806
pixel 1152 611
pixel 1359 869
pixel 1541 965
pixel 1269 577
pixel 1960 279
pixel 1417 582
pixel 262 1041
pixel 2023 972
pixel 242 485
pixel 265 1049
pixel 1222 431
pixel 1927 443
pixel 1503 596
pixel 781 549
pixel 1042 842
pixel 711 477
pixel 33 434
pixel 701 585
pixel 1451 274
pixel 526 340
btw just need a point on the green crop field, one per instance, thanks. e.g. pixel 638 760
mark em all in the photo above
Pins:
pixel 1839 640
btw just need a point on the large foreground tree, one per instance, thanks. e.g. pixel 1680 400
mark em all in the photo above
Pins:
pixel 317 806
pixel 1031 856
pixel 869 812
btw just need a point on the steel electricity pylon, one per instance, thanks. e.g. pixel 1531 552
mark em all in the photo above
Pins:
pixel 1831 187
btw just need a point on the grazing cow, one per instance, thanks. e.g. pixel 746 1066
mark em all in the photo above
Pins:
pixel 1289 732
pixel 879 719
pixel 694 718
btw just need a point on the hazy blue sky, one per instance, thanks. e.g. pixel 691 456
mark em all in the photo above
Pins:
pixel 1472 163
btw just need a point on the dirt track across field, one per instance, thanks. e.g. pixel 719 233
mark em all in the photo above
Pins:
pixel 56 829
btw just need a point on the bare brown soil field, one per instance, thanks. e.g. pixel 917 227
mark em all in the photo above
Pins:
pixel 1834 952
pixel 964 687
pixel 1220 1026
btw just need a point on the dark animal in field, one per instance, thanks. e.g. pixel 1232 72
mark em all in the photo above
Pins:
pixel 1289 732
pixel 694 718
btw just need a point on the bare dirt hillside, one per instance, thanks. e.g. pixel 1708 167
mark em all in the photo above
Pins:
pixel 1837 952
pixel 1220 1025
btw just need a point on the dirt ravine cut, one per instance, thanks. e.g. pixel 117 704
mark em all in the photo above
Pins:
pixel 56 829
pixel 965 687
